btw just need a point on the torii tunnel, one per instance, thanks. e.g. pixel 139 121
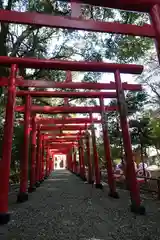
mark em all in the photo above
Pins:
pixel 45 133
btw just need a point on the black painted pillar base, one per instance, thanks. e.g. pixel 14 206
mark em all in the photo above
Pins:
pixel 138 209
pixel 90 182
pixel 37 184
pixel 4 218
pixel 113 195
pixel 22 197
pixel 42 180
pixel 31 189
pixel 99 186
pixel 83 178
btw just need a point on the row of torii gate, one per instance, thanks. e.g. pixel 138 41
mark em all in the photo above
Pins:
pixel 41 139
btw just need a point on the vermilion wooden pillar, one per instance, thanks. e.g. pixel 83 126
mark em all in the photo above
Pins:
pixel 46 159
pixel 90 177
pixel 75 160
pixel 23 193
pixel 53 162
pixel 72 160
pixel 95 155
pixel 7 147
pixel 81 160
pixel 42 160
pixel 33 156
pixel 47 162
pixel 38 157
pixel 155 19
pixel 75 9
pixel 130 168
pixel 107 151
pixel 79 155
pixel 68 162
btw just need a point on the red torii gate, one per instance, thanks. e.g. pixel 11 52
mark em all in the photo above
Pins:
pixel 71 138
pixel 22 195
pixel 72 128
pixel 48 136
pixel 101 109
pixel 78 109
pixel 67 121
pixel 69 127
pixel 152 31
pixel 40 161
pixel 52 141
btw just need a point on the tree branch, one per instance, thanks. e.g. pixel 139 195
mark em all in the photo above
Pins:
pixel 1 4
pixel 20 39
pixel 9 5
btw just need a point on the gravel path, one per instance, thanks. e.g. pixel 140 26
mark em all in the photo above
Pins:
pixel 65 208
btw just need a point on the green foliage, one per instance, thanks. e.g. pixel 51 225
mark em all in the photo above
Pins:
pixel 17 147
pixel 141 131
pixel 155 124
pixel 130 49
pixel 41 42
pixel 135 102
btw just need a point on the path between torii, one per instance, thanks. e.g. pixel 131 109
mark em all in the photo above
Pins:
pixel 65 208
